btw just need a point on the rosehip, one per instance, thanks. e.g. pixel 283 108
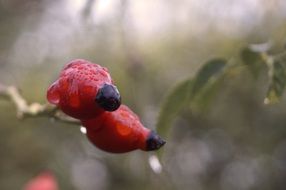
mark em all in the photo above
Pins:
pixel 44 181
pixel 83 90
pixel 121 131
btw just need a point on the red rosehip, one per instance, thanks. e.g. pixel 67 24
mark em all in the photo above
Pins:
pixel 83 90
pixel 44 181
pixel 121 131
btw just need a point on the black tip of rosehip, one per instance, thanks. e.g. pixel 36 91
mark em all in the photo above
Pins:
pixel 108 97
pixel 154 141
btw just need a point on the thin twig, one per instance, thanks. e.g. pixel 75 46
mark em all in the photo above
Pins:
pixel 34 109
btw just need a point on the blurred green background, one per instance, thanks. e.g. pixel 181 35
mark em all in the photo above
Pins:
pixel 148 46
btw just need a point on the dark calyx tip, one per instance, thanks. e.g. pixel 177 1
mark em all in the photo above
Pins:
pixel 154 142
pixel 108 97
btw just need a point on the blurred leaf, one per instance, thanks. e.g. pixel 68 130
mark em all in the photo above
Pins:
pixel 278 82
pixel 253 60
pixel 176 100
pixel 204 97
pixel 209 71
pixel 206 83
pixel 181 95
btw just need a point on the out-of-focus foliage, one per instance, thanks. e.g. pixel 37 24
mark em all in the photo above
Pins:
pixel 221 134
pixel 198 91
pixel 206 83
pixel 172 106
pixel 277 74
pixel 252 60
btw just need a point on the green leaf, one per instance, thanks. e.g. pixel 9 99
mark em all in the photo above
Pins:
pixel 277 82
pixel 177 99
pixel 206 84
pixel 208 72
pixel 185 92
pixel 201 102
pixel 253 60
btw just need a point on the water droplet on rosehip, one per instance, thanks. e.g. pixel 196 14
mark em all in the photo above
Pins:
pixel 83 129
pixel 53 94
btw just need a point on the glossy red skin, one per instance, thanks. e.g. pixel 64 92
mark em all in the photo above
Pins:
pixel 119 131
pixel 76 88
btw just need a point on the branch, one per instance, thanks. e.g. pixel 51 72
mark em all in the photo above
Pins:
pixel 48 110
pixel 34 109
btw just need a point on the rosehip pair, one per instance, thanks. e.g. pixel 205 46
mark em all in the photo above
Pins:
pixel 85 91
